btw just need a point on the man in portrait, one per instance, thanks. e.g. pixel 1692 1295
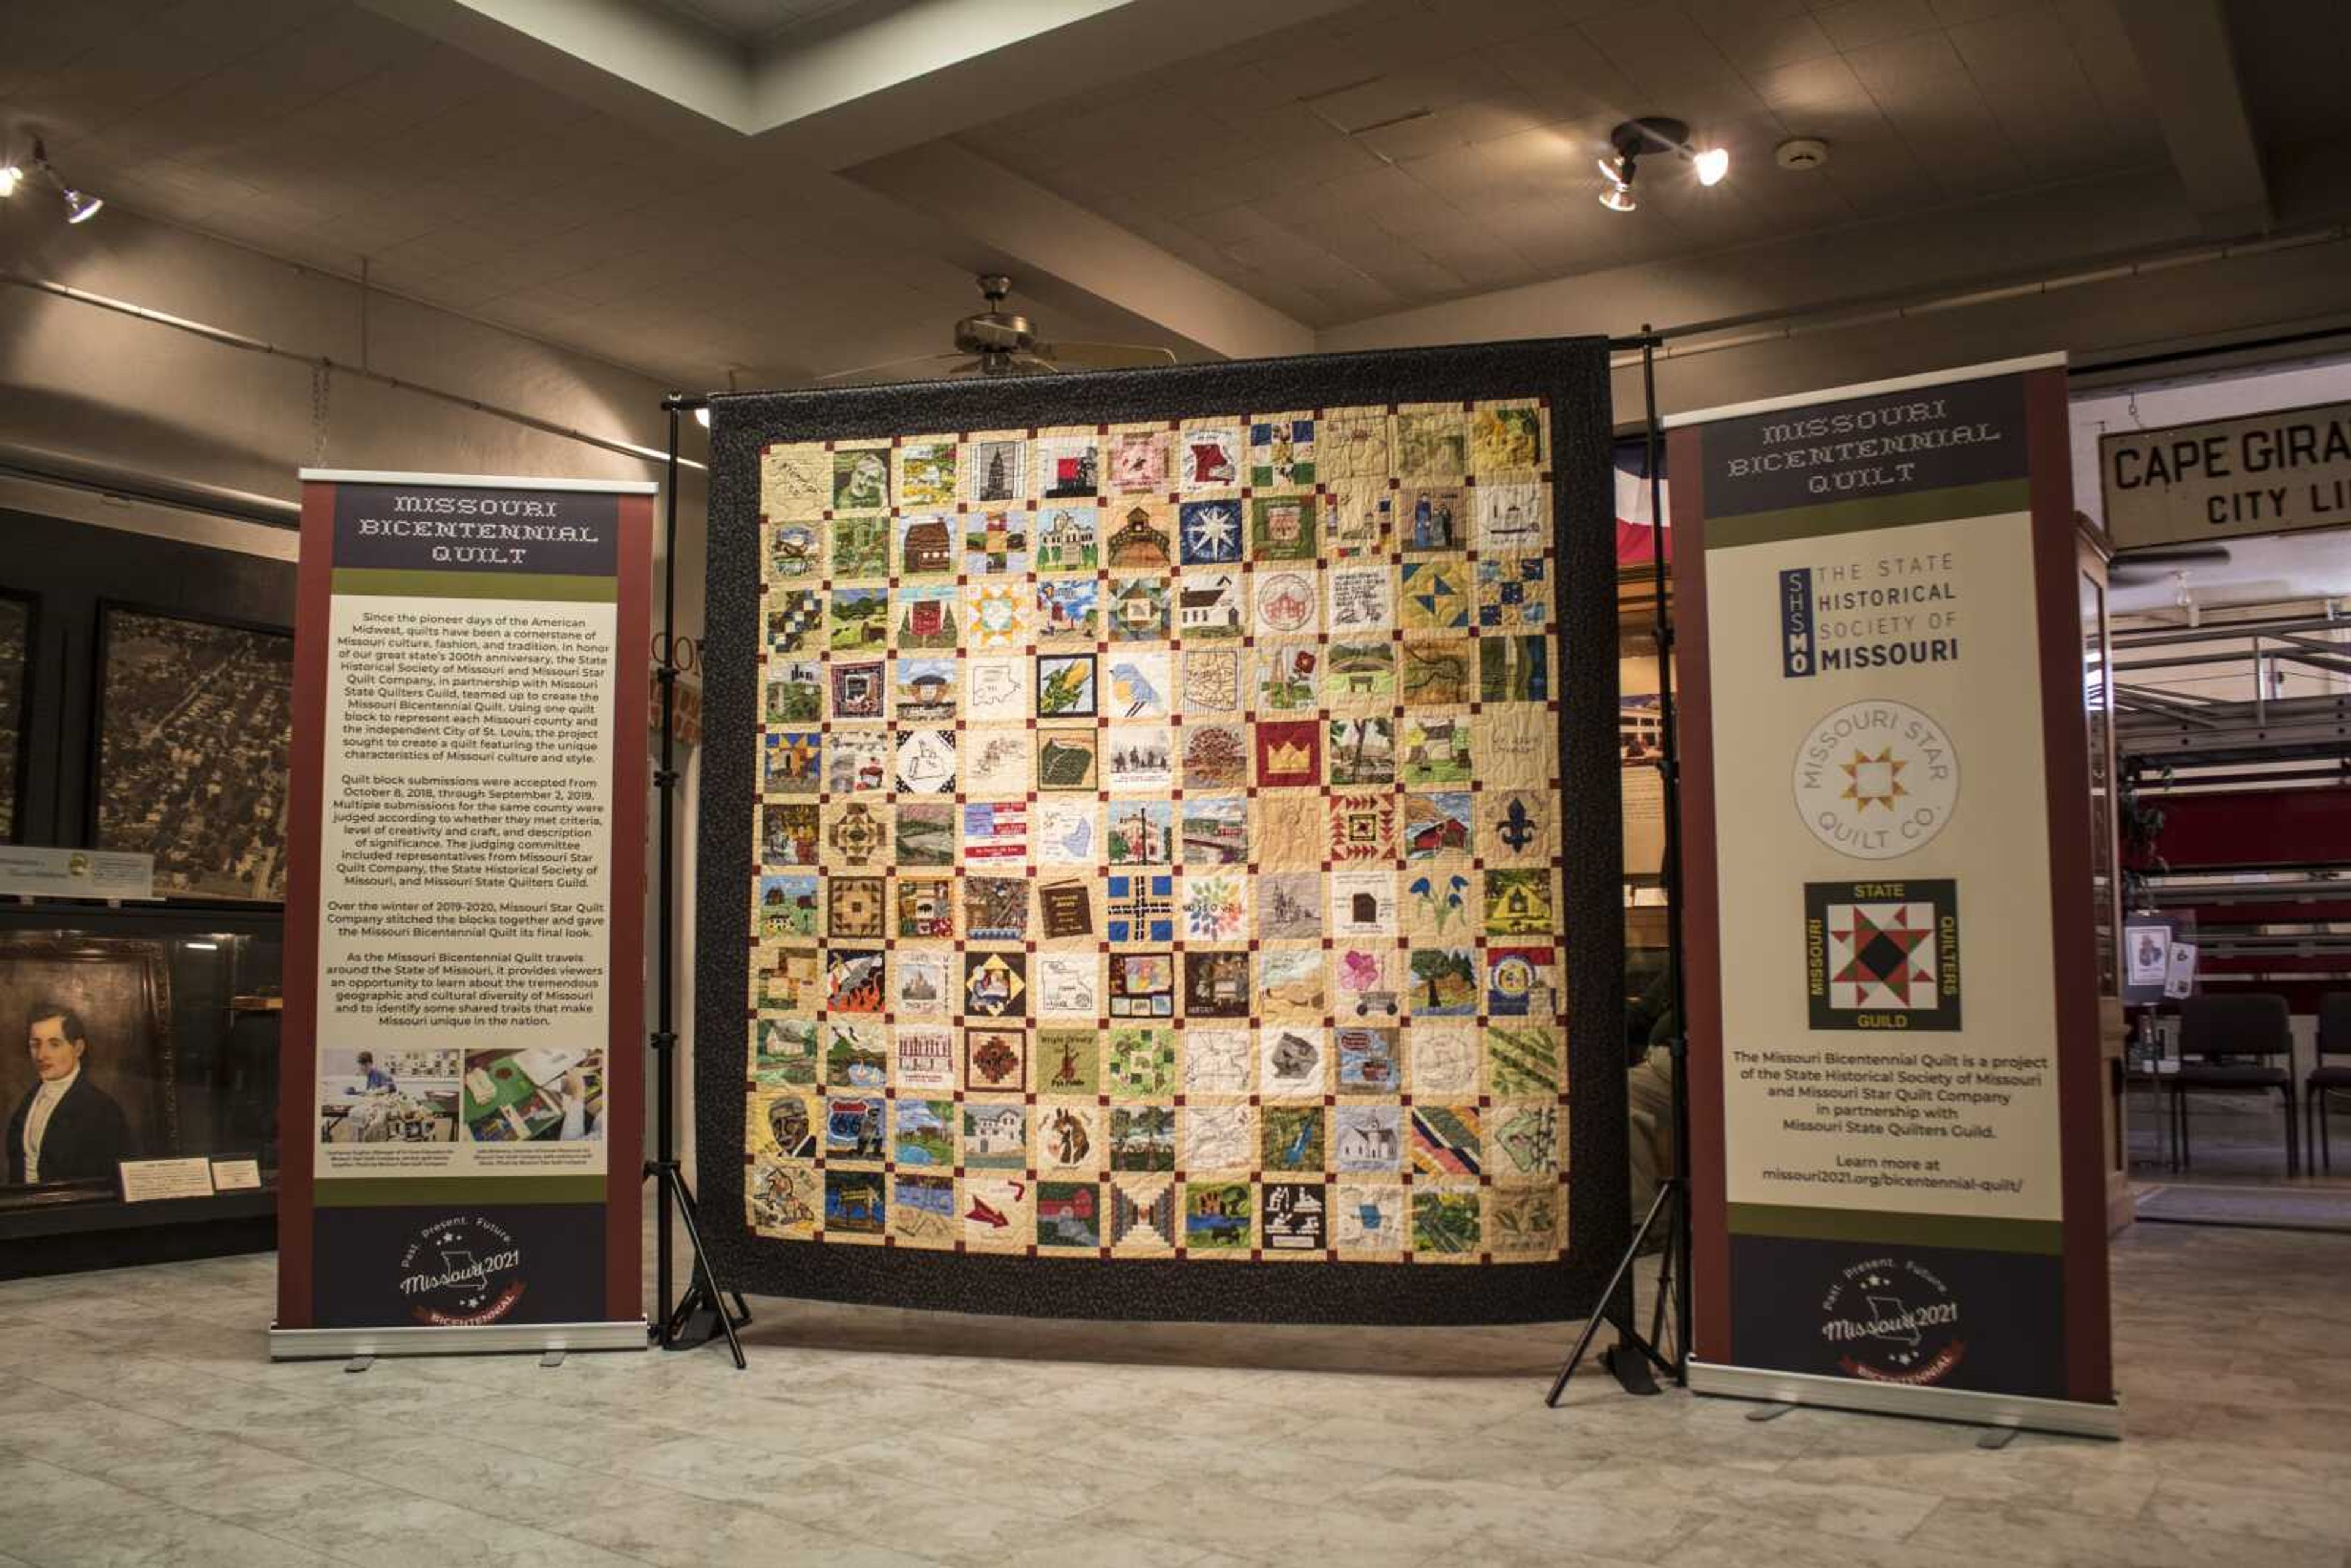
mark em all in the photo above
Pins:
pixel 67 1129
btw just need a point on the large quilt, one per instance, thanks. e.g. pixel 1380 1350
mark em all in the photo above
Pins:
pixel 1158 850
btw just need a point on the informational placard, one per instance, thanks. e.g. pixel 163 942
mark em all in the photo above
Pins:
pixel 2261 474
pixel 2147 957
pixel 2180 972
pixel 38 871
pixel 146 1181
pixel 1893 995
pixel 1640 743
pixel 464 944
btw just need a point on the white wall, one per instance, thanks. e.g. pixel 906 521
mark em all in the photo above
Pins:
pixel 98 384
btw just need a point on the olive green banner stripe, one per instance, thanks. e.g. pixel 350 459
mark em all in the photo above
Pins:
pixel 1974 1232
pixel 1876 512
pixel 549 585
pixel 390 1192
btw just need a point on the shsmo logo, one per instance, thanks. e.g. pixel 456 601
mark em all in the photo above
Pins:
pixel 1876 778
pixel 1893 1321
pixel 1796 640
pixel 461 1269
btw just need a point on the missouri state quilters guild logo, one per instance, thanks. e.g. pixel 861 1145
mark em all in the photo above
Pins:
pixel 461 1269
pixel 1882 955
pixel 1893 1320
pixel 1876 778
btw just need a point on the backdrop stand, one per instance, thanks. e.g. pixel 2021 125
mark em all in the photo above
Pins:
pixel 700 1315
pixel 1631 1358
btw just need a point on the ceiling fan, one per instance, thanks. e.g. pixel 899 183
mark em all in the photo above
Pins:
pixel 2156 563
pixel 1001 342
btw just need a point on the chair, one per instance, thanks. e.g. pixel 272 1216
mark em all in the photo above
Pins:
pixel 2334 1040
pixel 2215 1033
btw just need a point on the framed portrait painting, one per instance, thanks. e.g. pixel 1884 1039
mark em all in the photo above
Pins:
pixel 86 1073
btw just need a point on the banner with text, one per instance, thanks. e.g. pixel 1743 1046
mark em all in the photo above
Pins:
pixel 1893 1006
pixel 462 1081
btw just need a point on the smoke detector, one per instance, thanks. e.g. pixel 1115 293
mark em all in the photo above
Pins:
pixel 1801 152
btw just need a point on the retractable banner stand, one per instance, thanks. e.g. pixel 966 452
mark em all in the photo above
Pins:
pixel 1896 1147
pixel 462 1078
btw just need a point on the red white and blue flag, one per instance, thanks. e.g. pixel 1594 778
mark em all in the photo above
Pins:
pixel 1634 521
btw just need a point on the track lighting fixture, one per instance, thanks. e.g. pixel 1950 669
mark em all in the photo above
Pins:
pixel 1616 195
pixel 1655 133
pixel 80 205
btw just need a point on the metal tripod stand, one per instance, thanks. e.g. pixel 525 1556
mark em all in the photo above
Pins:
pixel 1633 1356
pixel 700 1315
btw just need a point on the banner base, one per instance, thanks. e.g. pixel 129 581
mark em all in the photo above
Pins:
pixel 337 1345
pixel 1962 1404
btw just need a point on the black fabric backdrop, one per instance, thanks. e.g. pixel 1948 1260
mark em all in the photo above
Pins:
pixel 1572 375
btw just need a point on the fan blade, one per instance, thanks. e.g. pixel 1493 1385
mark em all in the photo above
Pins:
pixel 2159 562
pixel 1109 356
pixel 2173 555
pixel 884 365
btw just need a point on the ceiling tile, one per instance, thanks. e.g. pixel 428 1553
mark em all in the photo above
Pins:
pixel 1952 13
pixel 1856 24
pixel 1904 67
pixel 1763 40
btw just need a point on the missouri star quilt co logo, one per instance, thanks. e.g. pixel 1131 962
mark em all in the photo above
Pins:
pixel 1882 955
pixel 1876 778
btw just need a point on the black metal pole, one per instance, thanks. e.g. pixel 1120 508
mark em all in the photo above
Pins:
pixel 1620 1282
pixel 665 1039
pixel 1669 776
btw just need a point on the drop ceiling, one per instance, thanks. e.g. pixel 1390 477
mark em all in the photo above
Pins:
pixel 756 22
pixel 1218 175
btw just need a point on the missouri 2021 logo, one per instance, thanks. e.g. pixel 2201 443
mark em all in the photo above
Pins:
pixel 1882 955
pixel 1892 1320
pixel 461 1270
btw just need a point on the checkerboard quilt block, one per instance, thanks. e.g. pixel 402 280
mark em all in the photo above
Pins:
pixel 1159 843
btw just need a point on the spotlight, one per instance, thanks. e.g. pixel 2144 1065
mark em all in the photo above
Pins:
pixel 702 416
pixel 1617 194
pixel 11 176
pixel 1653 133
pixel 80 205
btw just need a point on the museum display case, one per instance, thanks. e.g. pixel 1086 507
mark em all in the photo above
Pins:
pixel 158 727
pixel 175 1013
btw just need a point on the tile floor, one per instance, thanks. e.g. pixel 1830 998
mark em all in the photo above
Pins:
pixel 139 1423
